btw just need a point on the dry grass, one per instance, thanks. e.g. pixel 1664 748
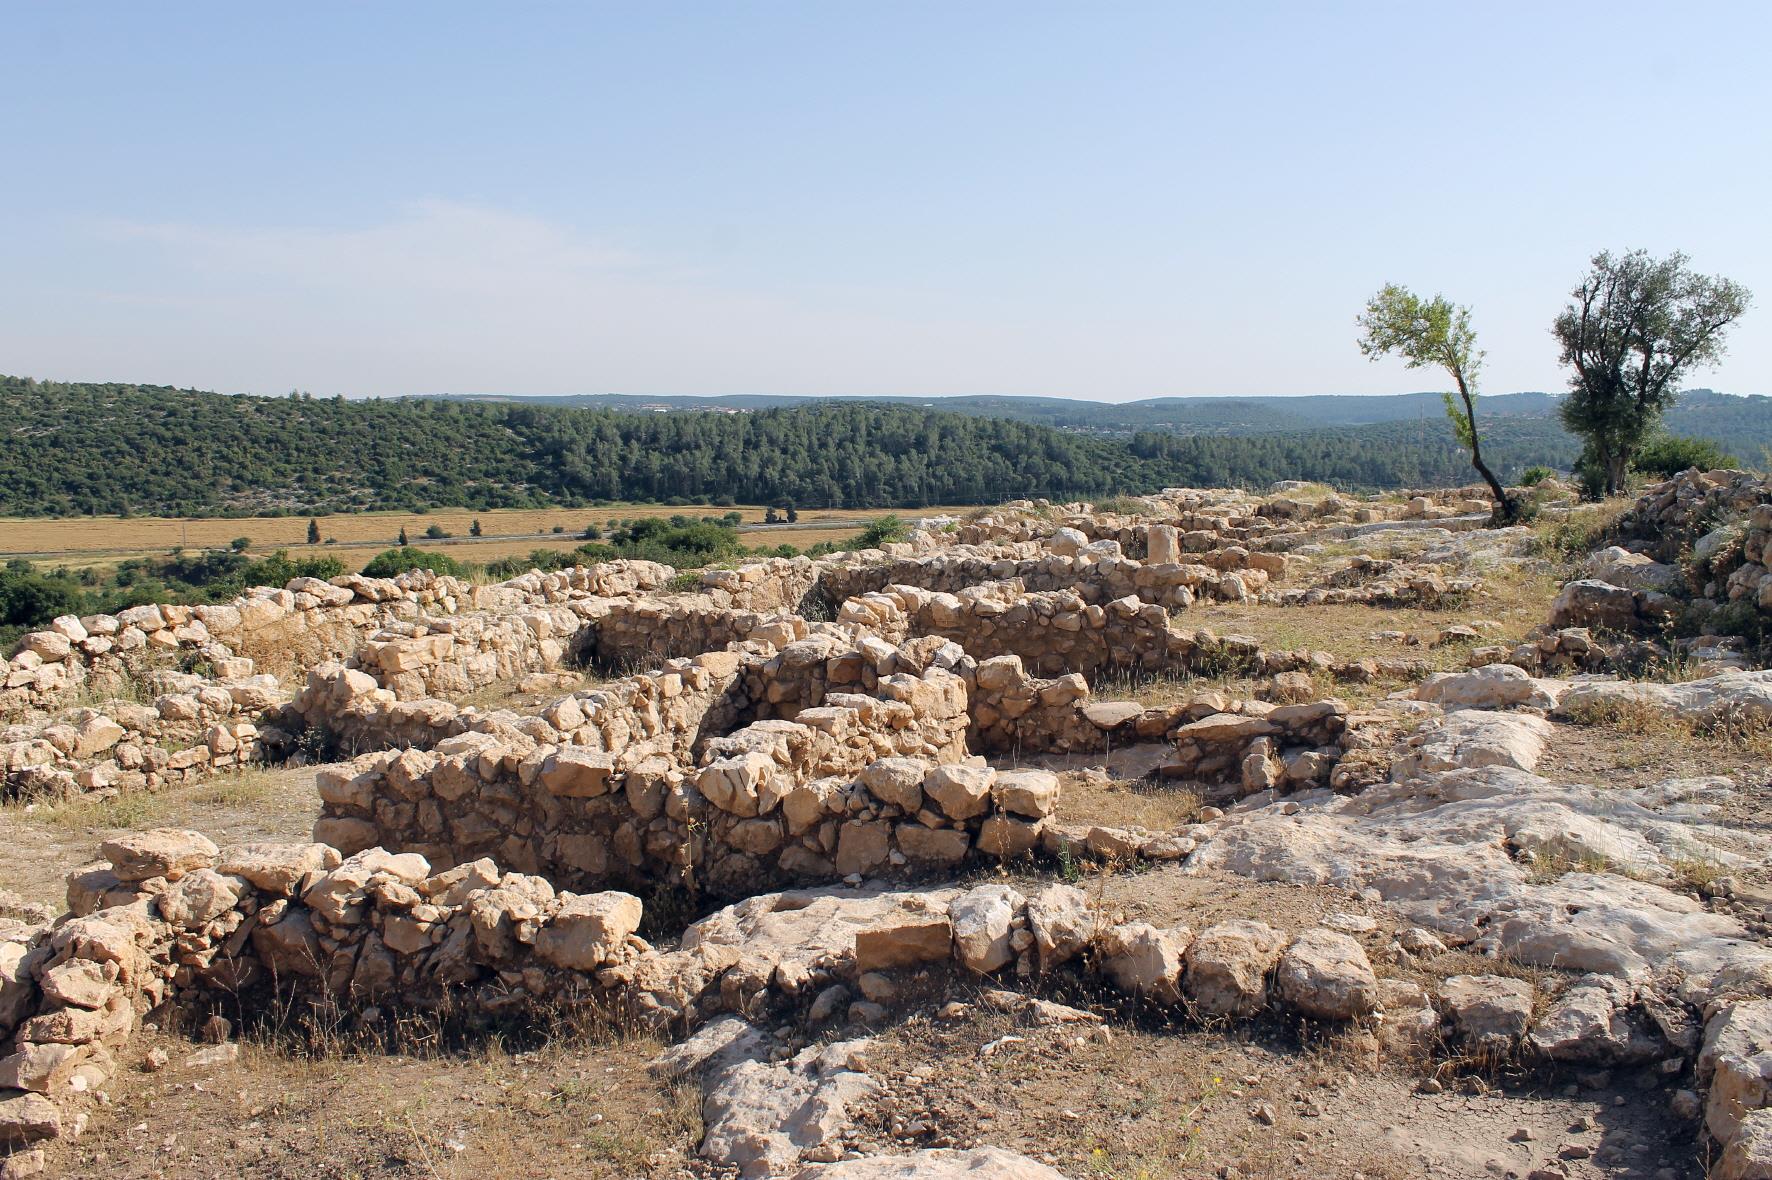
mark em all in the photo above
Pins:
pixel 1733 732
pixel 1569 539
pixel 46 841
pixel 1125 803
pixel 1698 875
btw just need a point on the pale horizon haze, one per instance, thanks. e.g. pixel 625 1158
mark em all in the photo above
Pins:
pixel 1108 202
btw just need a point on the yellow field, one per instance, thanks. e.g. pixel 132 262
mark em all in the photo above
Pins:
pixel 355 537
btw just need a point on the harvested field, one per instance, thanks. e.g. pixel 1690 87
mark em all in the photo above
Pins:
pixel 505 532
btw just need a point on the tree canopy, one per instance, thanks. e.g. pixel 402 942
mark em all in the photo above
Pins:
pixel 1435 333
pixel 1634 326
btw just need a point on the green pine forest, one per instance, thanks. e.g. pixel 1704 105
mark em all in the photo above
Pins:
pixel 82 448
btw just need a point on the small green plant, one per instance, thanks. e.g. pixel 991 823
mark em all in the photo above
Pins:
pixel 1068 869
pixel 1699 874
pixel 687 580
pixel 882 530
pixel 1535 475
pixel 318 744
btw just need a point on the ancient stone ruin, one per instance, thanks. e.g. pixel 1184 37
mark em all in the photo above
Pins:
pixel 853 771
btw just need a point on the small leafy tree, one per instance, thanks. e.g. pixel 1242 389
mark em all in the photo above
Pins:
pixel 403 536
pixel 240 544
pixel 313 531
pixel 435 532
pixel 1436 333
pixel 1634 327
pixel 474 529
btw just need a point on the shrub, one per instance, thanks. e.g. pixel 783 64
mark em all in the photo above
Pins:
pixel 882 530
pixel 1669 454
pixel 545 560
pixel 390 562
pixel 1535 475
pixel 435 532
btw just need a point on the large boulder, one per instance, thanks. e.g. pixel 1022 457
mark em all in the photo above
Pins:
pixel 961 791
pixel 1490 1012
pixel 280 868
pixel 904 938
pixel 588 931
pixel 1061 922
pixel 1030 793
pixel 1473 738
pixel 1144 960
pixel 1589 602
pixel 1731 696
pixel 1633 571
pixel 1748 1156
pixel 1493 686
pixel 762 1119
pixel 1326 974
pixel 1227 968
pixel 1736 1062
pixel 159 852
pixel 982 920
pixel 1590 1022
pixel 27 1118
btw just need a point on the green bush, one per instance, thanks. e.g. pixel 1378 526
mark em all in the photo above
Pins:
pixel 1535 475
pixel 1667 455
pixel 391 562
pixel 545 560
pixel 882 530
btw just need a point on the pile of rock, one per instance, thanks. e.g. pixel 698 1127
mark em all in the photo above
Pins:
pixel 1375 581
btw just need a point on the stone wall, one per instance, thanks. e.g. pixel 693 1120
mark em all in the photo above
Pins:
pixel 173 925
pixel 190 726
pixel 644 632
pixel 659 787
pixel 280 630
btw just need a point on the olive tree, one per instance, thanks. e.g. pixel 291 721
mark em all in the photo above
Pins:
pixel 1633 328
pixel 1436 333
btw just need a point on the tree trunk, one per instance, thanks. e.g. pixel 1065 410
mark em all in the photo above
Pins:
pixel 1506 510
pixel 1615 465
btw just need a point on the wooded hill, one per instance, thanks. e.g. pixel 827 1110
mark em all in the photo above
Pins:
pixel 94 448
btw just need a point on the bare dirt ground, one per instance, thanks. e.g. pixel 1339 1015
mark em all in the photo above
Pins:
pixel 579 1105
pixel 1155 1103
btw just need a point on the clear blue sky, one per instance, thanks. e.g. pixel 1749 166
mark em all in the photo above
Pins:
pixel 1107 201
